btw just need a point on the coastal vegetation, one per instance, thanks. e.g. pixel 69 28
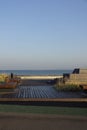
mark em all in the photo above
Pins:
pixel 68 87
pixel 3 77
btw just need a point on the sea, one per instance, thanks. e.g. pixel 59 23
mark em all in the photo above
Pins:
pixel 35 72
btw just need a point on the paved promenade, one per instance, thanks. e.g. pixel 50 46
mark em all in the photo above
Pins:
pixel 40 77
pixel 14 121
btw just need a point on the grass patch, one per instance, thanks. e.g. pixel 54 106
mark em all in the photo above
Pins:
pixel 44 110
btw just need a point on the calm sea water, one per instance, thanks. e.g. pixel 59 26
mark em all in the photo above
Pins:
pixel 36 72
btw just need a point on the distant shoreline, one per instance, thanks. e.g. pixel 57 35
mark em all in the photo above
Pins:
pixel 36 72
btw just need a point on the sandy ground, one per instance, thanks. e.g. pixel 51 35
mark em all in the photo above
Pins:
pixel 14 121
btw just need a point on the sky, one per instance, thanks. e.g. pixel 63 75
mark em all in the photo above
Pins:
pixel 43 34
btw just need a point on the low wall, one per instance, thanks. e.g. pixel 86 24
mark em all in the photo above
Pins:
pixel 62 102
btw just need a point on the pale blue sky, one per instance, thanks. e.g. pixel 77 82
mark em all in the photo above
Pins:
pixel 43 34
